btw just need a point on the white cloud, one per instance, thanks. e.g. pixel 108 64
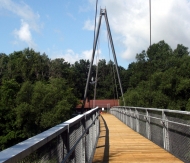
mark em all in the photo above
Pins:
pixel 87 54
pixel 89 25
pixel 23 11
pixel 29 21
pixel 70 56
pixel 24 34
pixel 129 21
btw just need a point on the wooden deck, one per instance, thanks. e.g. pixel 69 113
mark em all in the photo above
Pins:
pixel 118 143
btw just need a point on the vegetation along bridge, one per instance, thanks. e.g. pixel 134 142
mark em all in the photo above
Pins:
pixel 123 134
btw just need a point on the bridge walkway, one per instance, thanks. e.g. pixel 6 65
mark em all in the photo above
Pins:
pixel 119 143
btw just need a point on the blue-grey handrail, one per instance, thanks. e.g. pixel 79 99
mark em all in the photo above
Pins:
pixel 25 148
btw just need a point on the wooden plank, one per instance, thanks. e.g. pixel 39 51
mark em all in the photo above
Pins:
pixel 118 143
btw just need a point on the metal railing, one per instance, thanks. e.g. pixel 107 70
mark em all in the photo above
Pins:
pixel 73 141
pixel 170 129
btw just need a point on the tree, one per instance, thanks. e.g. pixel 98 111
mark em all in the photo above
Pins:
pixel 161 81
pixel 181 51
pixel 158 55
pixel 80 73
pixel 8 92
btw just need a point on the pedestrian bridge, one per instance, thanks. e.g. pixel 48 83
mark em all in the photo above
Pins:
pixel 123 134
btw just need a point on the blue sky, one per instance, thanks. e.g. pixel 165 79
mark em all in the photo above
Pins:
pixel 64 28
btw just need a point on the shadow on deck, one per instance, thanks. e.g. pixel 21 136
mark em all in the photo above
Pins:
pixel 103 143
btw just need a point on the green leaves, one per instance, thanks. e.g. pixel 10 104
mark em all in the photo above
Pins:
pixel 35 93
pixel 33 108
pixel 161 78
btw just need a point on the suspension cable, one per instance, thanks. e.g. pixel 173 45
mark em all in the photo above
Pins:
pixel 96 80
pixel 150 19
pixel 95 23
pixel 112 70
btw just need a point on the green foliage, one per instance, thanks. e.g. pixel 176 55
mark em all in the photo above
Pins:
pixel 160 78
pixel 36 94
pixel 106 88
pixel 79 75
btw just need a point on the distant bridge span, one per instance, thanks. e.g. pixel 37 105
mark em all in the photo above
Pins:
pixel 106 103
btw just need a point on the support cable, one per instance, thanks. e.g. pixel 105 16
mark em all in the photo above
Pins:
pixel 96 78
pixel 114 54
pixel 95 23
pixel 112 71
pixel 102 13
pixel 150 100
pixel 96 54
pixel 91 63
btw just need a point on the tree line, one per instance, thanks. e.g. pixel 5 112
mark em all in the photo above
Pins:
pixel 160 78
pixel 37 92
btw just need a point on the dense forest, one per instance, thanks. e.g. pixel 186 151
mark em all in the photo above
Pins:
pixel 160 78
pixel 37 92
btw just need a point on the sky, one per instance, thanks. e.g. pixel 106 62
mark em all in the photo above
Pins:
pixel 65 28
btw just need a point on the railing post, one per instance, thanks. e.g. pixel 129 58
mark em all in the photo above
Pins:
pixel 131 120
pixel 70 142
pixel 127 118
pixel 148 125
pixel 91 135
pixel 118 113
pixel 137 119
pixel 83 123
pixel 122 113
pixel 94 130
pixel 86 140
pixel 125 114
pixel 65 143
pixel 60 148
pixel 165 131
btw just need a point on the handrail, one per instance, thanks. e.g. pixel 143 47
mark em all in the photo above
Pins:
pixel 170 129
pixel 23 149
pixel 73 148
pixel 154 109
pixel 26 147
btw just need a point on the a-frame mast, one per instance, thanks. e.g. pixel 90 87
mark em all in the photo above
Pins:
pixel 102 13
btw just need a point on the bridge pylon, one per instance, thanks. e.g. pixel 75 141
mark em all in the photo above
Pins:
pixel 103 12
